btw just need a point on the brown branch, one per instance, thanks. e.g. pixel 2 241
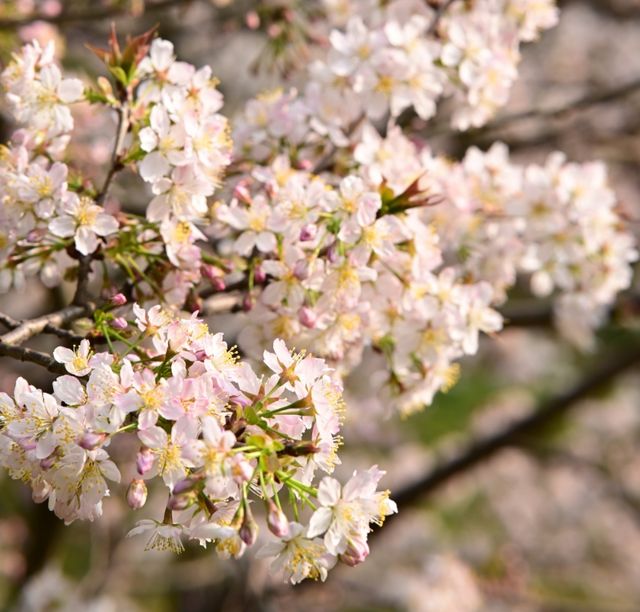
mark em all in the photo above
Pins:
pixel 12 324
pixel 479 451
pixel 29 355
pixel 441 9
pixel 89 14
pixel 556 112
pixel 32 327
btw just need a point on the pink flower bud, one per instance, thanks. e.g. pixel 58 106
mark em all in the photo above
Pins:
pixel 184 485
pixel 307 317
pixel 252 19
pixel 144 460
pixel 90 440
pixel 241 192
pixel 119 323
pixel 182 501
pixel 332 253
pixel 118 299
pixel 277 521
pixel 308 232
pixel 248 302
pixel 305 164
pixel 357 551
pixel 249 529
pixel 26 443
pixel 259 275
pixel 137 494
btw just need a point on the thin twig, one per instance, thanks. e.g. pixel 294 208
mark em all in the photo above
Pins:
pixel 90 14
pixel 481 450
pixel 26 354
pixel 32 327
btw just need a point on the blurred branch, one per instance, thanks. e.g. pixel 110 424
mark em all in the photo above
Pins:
pixel 32 327
pixel 481 450
pixel 441 9
pixel 25 354
pixel 12 323
pixel 558 111
pixel 88 14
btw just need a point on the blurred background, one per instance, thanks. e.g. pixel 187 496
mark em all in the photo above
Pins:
pixel 498 510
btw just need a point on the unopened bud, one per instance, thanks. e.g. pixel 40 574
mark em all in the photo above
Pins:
pixel 248 302
pixel 259 275
pixel 242 192
pixel 90 440
pixel 144 460
pixel 252 19
pixel 357 551
pixel 182 501
pixel 184 485
pixel 137 494
pixel 119 323
pixel 305 164
pixel 308 232
pixel 277 521
pixel 249 529
pixel 118 299
pixel 332 253
pixel 307 317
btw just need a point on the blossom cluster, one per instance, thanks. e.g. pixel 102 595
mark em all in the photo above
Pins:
pixel 387 57
pixel 345 267
pixel 219 436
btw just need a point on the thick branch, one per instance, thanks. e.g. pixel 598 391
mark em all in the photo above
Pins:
pixel 12 323
pixel 25 354
pixel 88 14
pixel 33 327
pixel 480 450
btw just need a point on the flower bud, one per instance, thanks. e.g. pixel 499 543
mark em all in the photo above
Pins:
pixel 137 494
pixel 259 275
pixel 249 529
pixel 357 551
pixel 184 485
pixel 181 501
pixel 277 521
pixel 119 323
pixel 307 317
pixel 308 232
pixel 305 164
pixel 332 253
pixel 252 19
pixel 248 302
pixel 90 440
pixel 241 191
pixel 118 299
pixel 144 460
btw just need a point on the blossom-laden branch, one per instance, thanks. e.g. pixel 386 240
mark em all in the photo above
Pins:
pixel 520 431
pixel 87 15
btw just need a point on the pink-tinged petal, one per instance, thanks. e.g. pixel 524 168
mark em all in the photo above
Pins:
pixel 70 90
pixel 158 209
pixel 110 471
pixel 153 166
pixel 105 225
pixel 319 523
pixel 50 77
pixel 63 355
pixel 154 437
pixel 69 390
pixel 148 139
pixel 266 242
pixel 329 491
pixel 86 241
pixel 64 226
pixel 161 54
pixel 245 242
